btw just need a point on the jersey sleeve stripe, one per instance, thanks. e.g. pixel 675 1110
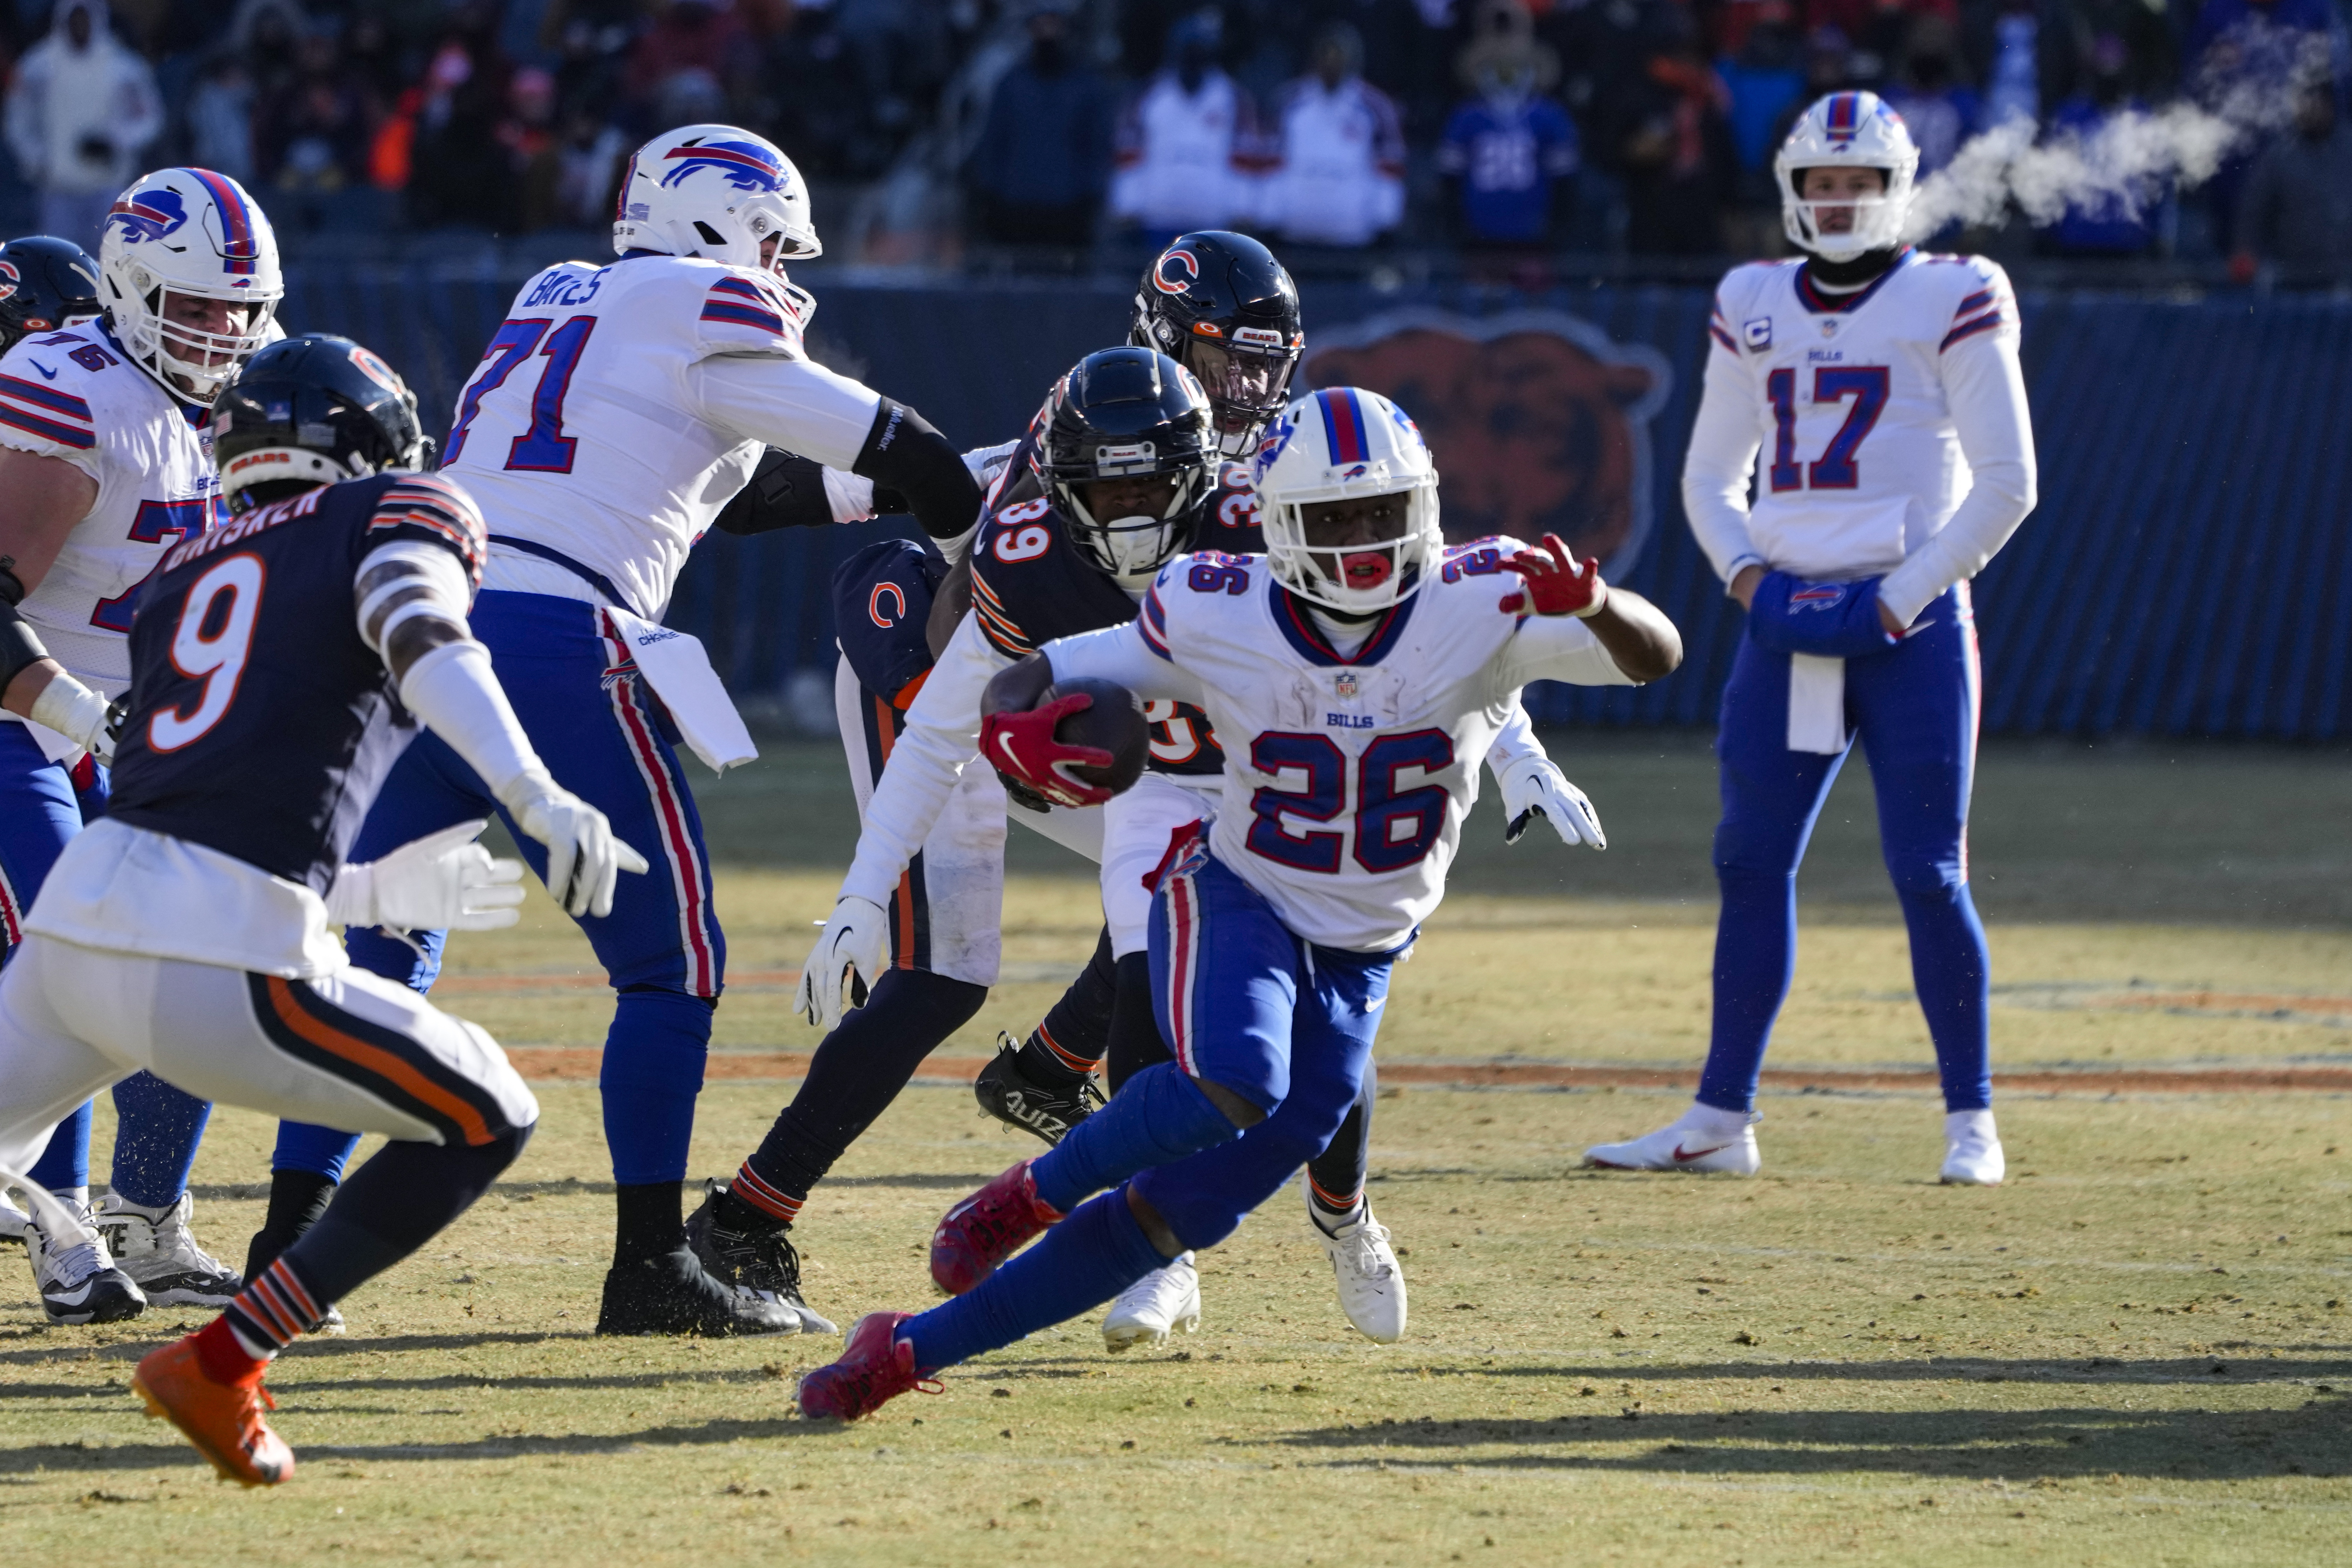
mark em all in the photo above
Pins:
pixel 1985 322
pixel 1002 634
pixel 439 508
pixel 1154 640
pixel 63 434
pixel 743 286
pixel 46 398
pixel 1155 612
pixel 1716 331
pixel 736 315
pixel 1974 302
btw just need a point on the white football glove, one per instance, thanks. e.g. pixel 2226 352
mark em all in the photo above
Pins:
pixel 77 713
pixel 584 859
pixel 848 958
pixel 444 881
pixel 1535 785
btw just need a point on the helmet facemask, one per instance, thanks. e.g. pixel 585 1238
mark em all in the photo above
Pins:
pixel 193 361
pixel 1839 228
pixel 1247 378
pixel 1358 550
pixel 1156 522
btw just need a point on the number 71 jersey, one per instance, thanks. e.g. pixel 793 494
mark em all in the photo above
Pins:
pixel 1858 461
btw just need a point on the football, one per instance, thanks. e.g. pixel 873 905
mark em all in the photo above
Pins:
pixel 1115 723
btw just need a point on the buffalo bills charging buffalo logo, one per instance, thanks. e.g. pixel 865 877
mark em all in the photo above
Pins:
pixel 746 166
pixel 148 215
pixel 1538 423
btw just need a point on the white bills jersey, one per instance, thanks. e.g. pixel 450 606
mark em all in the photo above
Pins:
pixel 618 408
pixel 1347 776
pixel 76 396
pixel 1858 457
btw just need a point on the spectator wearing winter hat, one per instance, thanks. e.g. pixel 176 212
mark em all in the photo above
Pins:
pixel 1335 172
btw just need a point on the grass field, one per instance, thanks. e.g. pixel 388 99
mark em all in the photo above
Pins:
pixel 2139 1352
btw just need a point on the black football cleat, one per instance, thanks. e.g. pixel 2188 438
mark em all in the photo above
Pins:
pixel 765 1265
pixel 1008 1093
pixel 674 1294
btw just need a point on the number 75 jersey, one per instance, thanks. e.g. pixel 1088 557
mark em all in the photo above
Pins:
pixel 1858 461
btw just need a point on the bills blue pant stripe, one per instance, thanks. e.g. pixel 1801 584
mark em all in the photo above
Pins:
pixel 1915 709
pixel 604 735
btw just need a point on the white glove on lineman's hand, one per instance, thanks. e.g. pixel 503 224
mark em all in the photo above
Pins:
pixel 444 881
pixel 77 713
pixel 584 859
pixel 1533 785
pixel 850 956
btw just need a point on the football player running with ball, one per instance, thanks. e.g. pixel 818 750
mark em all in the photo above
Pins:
pixel 1871 394
pixel 1357 675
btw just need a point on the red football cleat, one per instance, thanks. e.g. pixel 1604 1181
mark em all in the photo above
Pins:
pixel 986 1228
pixel 876 1367
pixel 224 1420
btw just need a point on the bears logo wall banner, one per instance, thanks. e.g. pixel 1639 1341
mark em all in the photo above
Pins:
pixel 1539 422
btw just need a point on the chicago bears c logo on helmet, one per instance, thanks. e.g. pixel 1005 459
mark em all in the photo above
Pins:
pixel 148 215
pixel 1174 271
pixel 747 167
pixel 10 279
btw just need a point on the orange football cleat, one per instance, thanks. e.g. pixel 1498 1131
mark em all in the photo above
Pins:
pixel 224 1420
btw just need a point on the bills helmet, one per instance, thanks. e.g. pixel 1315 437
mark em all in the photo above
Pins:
pixel 311 411
pixel 1854 130
pixel 44 284
pixel 189 234
pixel 717 192
pixel 1219 305
pixel 1122 414
pixel 1345 443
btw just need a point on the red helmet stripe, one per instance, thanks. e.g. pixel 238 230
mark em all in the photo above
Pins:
pixel 238 244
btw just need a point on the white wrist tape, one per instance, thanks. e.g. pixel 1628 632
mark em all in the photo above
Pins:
pixel 72 710
pixel 850 496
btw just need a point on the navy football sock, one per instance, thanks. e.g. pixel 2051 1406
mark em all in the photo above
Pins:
pixel 63 1165
pixel 1158 1116
pixel 1076 1266
pixel 1952 970
pixel 1335 1178
pixel 157 1129
pixel 653 1057
pixel 1070 1039
pixel 1755 958
pixel 1136 1042
pixel 394 1204
pixel 855 1074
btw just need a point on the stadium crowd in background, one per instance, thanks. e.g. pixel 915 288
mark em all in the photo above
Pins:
pixel 1507 127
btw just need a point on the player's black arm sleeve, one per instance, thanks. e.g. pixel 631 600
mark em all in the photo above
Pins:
pixel 787 490
pixel 905 453
pixel 20 645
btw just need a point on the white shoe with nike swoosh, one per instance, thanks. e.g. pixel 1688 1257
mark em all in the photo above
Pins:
pixel 1705 1139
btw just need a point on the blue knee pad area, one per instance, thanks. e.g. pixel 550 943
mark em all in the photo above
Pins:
pixel 654 1058
pixel 1158 1116
pixel 1076 1267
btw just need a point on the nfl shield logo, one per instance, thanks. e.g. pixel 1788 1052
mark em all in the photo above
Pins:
pixel 1344 683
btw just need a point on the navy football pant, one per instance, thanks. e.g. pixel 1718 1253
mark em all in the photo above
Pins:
pixel 600 733
pixel 1913 708
pixel 42 806
pixel 1244 1004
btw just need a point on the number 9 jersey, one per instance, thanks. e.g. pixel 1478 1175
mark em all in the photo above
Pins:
pixel 261 724
pixel 1864 421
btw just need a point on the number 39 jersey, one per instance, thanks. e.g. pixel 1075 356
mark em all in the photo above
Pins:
pixel 1347 776
pixel 74 396
pixel 1848 400
pixel 260 724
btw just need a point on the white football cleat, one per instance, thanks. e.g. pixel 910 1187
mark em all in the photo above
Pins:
pixel 1972 1156
pixel 1703 1139
pixel 14 1222
pixel 77 1277
pixel 1372 1283
pixel 1147 1312
pixel 157 1248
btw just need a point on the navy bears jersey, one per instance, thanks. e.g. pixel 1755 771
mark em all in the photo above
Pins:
pixel 881 599
pixel 259 723
pixel 1030 585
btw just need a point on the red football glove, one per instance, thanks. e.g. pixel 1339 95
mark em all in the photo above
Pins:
pixel 1022 745
pixel 1556 585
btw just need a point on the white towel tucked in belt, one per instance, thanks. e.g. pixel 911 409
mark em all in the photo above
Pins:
pixel 679 671
pixel 1816 704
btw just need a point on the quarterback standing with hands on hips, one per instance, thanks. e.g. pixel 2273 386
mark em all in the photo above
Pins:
pixel 1871 394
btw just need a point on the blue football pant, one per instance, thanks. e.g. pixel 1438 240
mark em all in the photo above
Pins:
pixel 601 731
pixel 42 806
pixel 1915 709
